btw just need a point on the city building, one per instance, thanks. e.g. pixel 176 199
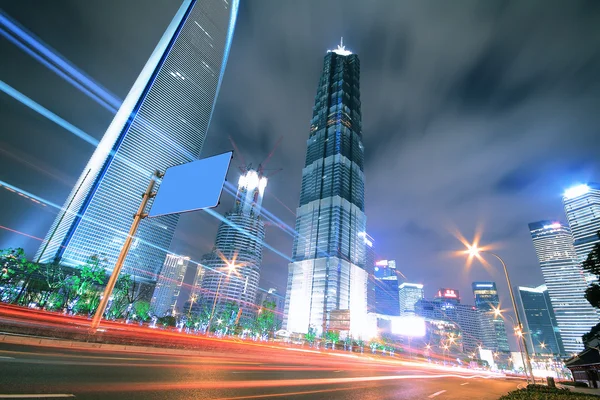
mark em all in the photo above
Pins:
pixel 161 123
pixel 582 206
pixel 541 330
pixel 370 258
pixel 232 269
pixel 272 296
pixel 450 296
pixel 168 286
pixel 385 280
pixel 328 269
pixel 565 281
pixel 466 317
pixel 409 294
pixel 493 327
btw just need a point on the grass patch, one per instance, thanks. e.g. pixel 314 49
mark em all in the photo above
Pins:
pixel 541 392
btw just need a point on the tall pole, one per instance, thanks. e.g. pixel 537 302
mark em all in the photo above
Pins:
pixel 527 361
pixel 137 218
pixel 212 312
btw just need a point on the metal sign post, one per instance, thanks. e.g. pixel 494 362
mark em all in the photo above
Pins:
pixel 137 218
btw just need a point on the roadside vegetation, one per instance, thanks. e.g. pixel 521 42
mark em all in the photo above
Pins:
pixel 542 392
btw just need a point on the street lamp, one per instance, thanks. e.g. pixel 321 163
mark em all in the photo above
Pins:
pixel 474 251
pixel 445 348
pixel 230 267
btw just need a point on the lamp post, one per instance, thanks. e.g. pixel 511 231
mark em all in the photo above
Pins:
pixel 476 252
pixel 230 268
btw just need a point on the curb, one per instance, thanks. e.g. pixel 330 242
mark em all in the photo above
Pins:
pixel 33 341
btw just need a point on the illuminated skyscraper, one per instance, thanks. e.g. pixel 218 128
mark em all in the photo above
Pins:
pixel 387 299
pixel 565 280
pixel 582 206
pixel 486 300
pixel 543 335
pixel 168 287
pixel 239 242
pixel 161 123
pixel 409 294
pixel 328 269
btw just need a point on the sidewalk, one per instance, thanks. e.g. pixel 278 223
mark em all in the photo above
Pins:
pixel 592 391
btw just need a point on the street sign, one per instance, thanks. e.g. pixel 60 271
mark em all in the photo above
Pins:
pixel 192 186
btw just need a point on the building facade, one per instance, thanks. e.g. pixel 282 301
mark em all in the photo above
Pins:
pixel 542 333
pixel 385 280
pixel 565 281
pixel 239 244
pixel 168 286
pixel 409 294
pixel 161 123
pixel 328 269
pixel 582 206
pixel 493 327
pixel 466 317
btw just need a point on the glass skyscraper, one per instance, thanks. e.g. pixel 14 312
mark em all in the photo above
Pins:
pixel 239 241
pixel 162 123
pixel 409 294
pixel 582 206
pixel 542 333
pixel 168 286
pixel 328 269
pixel 486 300
pixel 565 280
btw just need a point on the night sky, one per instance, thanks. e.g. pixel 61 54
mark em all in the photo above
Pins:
pixel 475 114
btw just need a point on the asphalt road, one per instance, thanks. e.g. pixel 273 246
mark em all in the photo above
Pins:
pixel 272 373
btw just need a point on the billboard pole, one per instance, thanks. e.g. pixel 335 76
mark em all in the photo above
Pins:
pixel 137 218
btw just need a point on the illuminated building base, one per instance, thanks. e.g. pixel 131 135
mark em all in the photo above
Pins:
pixel 312 295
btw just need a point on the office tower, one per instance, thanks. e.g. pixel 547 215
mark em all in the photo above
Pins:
pixel 565 280
pixel 168 286
pixel 239 245
pixel 385 280
pixel 582 206
pixel 487 300
pixel 161 123
pixel 466 317
pixel 271 295
pixel 328 269
pixel 542 333
pixel 409 294
pixel 370 258
pixel 450 296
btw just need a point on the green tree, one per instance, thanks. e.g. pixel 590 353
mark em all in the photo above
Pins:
pixel 311 335
pixel 265 320
pixel 142 310
pixel 592 293
pixel 333 337
pixel 16 274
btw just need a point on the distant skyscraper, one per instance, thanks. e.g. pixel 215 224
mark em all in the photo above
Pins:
pixel 328 269
pixel 166 293
pixel 162 123
pixel 486 300
pixel 370 258
pixel 542 333
pixel 466 317
pixel 387 299
pixel 446 295
pixel 239 241
pixel 565 280
pixel 409 294
pixel 582 206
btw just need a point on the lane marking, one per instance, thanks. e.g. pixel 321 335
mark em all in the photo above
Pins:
pixel 463 384
pixel 35 396
pixel 436 394
pixel 7 358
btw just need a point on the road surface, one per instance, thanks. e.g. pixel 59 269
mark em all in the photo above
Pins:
pixel 294 374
